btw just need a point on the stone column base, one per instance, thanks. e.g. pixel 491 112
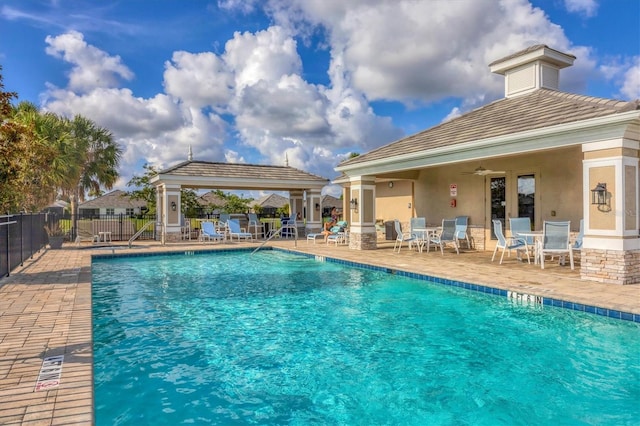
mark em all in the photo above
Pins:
pixel 610 266
pixel 173 237
pixel 366 241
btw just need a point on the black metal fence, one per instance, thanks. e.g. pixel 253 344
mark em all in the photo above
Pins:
pixel 21 235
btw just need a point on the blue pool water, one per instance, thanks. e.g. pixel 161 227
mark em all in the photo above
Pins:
pixel 276 338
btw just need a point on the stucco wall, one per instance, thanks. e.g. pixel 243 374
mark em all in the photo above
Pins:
pixel 558 188
pixel 393 203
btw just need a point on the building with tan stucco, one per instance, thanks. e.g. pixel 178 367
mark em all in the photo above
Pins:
pixel 537 152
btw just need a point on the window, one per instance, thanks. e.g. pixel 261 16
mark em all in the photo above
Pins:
pixel 111 211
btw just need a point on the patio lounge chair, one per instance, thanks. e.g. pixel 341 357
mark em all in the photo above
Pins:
pixel 208 232
pixel 339 233
pixel 507 244
pixel 556 241
pixel 577 244
pixel 447 236
pixel 85 233
pixel 235 231
pixel 401 237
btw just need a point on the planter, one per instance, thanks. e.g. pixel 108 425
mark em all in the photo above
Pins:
pixel 56 242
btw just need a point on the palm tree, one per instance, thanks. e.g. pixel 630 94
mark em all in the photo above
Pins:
pixel 95 159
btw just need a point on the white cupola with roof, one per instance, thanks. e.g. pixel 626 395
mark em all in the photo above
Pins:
pixel 533 68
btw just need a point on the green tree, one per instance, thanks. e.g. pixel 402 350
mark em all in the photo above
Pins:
pixel 236 204
pixel 26 182
pixel 95 158
pixel 144 190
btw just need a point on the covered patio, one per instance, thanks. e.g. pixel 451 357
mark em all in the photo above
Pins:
pixel 537 153
pixel 304 189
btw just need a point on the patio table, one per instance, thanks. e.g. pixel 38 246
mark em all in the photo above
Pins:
pixel 423 236
pixel 536 235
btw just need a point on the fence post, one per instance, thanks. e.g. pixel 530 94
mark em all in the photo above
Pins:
pixel 21 239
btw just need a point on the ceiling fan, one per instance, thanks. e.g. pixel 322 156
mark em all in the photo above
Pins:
pixel 481 171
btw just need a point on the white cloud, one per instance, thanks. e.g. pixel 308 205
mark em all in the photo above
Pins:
pixel 586 8
pixel 251 101
pixel 92 67
pixel 198 79
pixel 626 73
pixel 420 52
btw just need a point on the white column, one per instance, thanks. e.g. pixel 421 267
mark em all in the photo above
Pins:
pixel 314 211
pixel 361 202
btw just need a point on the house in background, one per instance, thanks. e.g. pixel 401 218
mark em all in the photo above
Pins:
pixel 270 203
pixel 113 203
pixel 538 152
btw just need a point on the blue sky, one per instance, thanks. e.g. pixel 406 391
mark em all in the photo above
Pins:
pixel 313 80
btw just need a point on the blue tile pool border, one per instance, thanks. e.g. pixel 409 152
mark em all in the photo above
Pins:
pixel 545 301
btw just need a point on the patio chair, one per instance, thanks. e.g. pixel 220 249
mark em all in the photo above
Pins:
pixel 507 244
pixel 288 227
pixel 401 237
pixel 256 225
pixel 223 218
pixel 208 232
pixel 447 236
pixel 235 231
pixel 556 241
pixel 462 222
pixel 418 223
pixel 577 244
pixel 522 224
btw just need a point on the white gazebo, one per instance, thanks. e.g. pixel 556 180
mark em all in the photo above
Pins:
pixel 304 188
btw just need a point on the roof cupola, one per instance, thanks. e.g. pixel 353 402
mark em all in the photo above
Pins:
pixel 533 68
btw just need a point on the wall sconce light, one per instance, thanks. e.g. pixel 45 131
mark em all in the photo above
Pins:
pixel 409 205
pixel 599 194
pixel 173 206
pixel 353 204
pixel 317 207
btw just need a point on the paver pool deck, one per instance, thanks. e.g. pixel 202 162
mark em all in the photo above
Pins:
pixel 45 310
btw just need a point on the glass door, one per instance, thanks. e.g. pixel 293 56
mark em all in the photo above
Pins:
pixel 527 197
pixel 498 194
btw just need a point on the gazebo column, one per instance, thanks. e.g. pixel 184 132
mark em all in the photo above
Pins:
pixel 171 212
pixel 360 198
pixel 296 203
pixel 611 245
pixel 314 211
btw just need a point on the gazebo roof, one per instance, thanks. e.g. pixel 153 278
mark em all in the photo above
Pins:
pixel 205 174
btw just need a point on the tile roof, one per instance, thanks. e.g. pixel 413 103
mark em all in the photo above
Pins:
pixel 529 49
pixel 272 201
pixel 114 199
pixel 536 110
pixel 241 171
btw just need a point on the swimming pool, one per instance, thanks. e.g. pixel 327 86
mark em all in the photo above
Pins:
pixel 278 338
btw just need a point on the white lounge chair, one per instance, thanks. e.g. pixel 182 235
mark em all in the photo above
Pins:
pixel 208 232
pixel 235 231
pixel 255 226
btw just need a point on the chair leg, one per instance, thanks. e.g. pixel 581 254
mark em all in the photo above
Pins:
pixel 571 259
pixel 495 250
